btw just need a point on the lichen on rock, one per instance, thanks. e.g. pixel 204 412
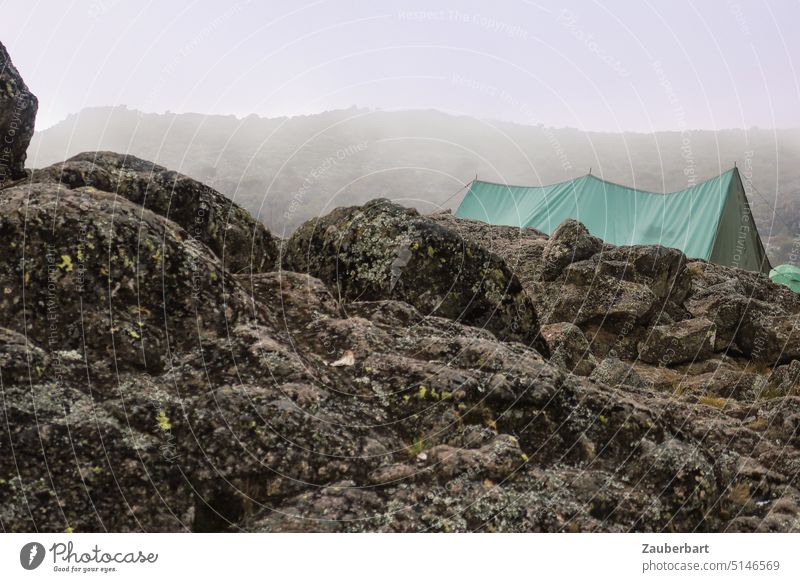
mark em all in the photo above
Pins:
pixel 240 241
pixel 385 251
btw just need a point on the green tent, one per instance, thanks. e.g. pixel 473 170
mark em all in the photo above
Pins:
pixel 709 221
pixel 788 275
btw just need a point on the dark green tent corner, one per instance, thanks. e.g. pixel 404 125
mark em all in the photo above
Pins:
pixel 710 221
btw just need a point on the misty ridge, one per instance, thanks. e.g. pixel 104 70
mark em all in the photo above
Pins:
pixel 287 170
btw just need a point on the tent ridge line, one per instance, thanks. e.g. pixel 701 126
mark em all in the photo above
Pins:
pixel 608 182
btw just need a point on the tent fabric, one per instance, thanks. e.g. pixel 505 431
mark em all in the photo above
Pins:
pixel 710 221
pixel 788 275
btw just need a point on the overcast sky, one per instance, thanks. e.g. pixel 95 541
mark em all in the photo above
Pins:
pixel 610 65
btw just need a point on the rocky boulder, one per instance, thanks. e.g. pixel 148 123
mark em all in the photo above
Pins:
pixel 18 108
pixel 83 269
pixel 573 277
pixel 663 270
pixel 615 372
pixel 520 248
pixel 385 251
pixel 785 380
pixel 750 311
pixel 568 348
pixel 709 279
pixel 685 341
pixel 242 243
pixel 770 339
pixel 582 296
pixel 569 243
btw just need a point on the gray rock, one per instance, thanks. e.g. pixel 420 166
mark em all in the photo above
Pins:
pixel 684 341
pixel 570 242
pixel 772 340
pixel 103 275
pixel 604 298
pixel 785 380
pixel 240 241
pixel 615 372
pixel 18 108
pixel 569 349
pixel 663 270
pixel 384 251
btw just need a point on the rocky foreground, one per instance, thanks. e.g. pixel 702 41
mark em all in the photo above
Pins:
pixel 169 365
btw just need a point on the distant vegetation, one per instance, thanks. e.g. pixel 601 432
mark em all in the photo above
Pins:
pixel 286 170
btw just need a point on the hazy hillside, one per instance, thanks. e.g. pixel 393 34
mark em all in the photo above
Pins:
pixel 286 170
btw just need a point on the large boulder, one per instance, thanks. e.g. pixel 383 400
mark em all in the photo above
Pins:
pixel 663 270
pixel 727 309
pixel 18 108
pixel 239 240
pixel 684 341
pixel 520 248
pixel 785 380
pixel 637 282
pixel 84 270
pixel 570 242
pixel 573 277
pixel 385 251
pixel 771 339
pixel 753 315
pixel 569 348
pixel 101 298
pixel 616 373
pixel 582 295
pixel 709 279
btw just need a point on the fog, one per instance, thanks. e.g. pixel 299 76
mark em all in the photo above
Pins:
pixel 287 170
